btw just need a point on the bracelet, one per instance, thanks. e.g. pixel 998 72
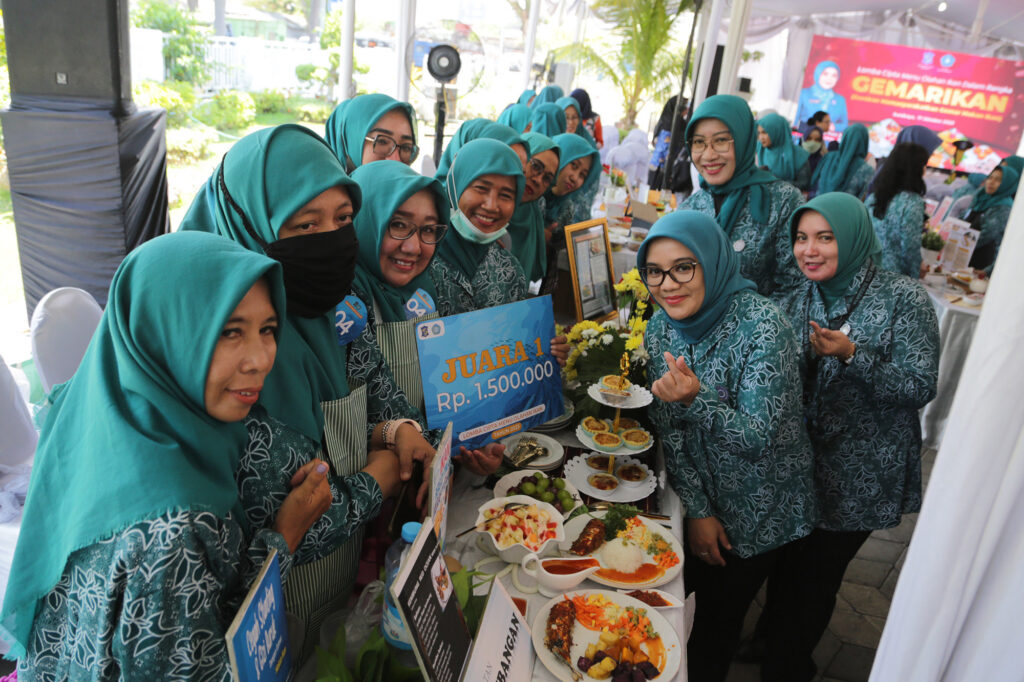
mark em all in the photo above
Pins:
pixel 849 358
pixel 391 430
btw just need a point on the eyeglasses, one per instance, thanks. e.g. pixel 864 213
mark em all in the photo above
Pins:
pixel 384 146
pixel 680 273
pixel 719 144
pixel 537 168
pixel 429 234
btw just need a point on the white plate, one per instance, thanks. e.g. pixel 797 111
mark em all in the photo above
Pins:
pixel 638 397
pixel 549 461
pixel 574 527
pixel 501 488
pixel 558 423
pixel 674 602
pixel 588 442
pixel 581 636
pixel 576 472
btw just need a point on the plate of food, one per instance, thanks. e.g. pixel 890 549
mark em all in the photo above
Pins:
pixel 617 391
pixel 633 553
pixel 625 442
pixel 601 634
pixel 554 490
pixel 546 452
pixel 589 473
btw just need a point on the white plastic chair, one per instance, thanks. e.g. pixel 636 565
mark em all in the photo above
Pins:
pixel 62 324
pixel 18 444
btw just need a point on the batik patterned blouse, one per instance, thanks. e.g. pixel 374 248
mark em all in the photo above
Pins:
pixel 498 280
pixel 899 232
pixel 740 452
pixel 863 417
pixel 765 249
pixel 152 602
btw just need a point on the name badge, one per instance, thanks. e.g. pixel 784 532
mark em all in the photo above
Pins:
pixel 739 245
pixel 419 304
pixel 349 319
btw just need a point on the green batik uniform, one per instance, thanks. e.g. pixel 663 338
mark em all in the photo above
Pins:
pixel 900 232
pixel 144 588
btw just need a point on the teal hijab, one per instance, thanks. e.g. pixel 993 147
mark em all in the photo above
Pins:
pixel 572 147
pixel 525 97
pixel 548 119
pixel 1015 162
pixel 747 180
pixel 718 262
pixel 351 122
pixel 516 117
pixel 548 95
pixel 475 129
pixel 783 158
pixel 1001 197
pixel 527 227
pixel 128 437
pixel 855 238
pixel 475 158
pixel 267 176
pixel 387 185
pixel 836 168
pixel 581 130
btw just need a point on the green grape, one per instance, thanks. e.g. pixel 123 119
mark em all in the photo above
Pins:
pixel 543 484
pixel 547 496
pixel 529 488
pixel 559 483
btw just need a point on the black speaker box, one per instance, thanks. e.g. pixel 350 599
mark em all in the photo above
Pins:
pixel 69 49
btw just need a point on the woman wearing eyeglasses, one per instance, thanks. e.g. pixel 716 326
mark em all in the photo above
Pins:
pixel 526 231
pixel 481 128
pixel 372 128
pixel 724 365
pixel 751 205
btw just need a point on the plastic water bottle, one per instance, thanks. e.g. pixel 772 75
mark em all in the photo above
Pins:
pixel 392 626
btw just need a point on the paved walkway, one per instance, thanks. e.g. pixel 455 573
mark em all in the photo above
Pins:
pixel 847 649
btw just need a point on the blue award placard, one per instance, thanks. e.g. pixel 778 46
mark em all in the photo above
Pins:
pixel 490 372
pixel 258 636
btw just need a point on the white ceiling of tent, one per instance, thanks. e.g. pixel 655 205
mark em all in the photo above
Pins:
pixel 1003 18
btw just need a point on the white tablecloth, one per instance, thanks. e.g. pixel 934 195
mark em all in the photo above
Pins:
pixel 467 498
pixel 956 330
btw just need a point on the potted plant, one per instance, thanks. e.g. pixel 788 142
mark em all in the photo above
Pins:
pixel 931 247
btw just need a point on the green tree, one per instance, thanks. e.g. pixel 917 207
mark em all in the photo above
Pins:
pixel 330 41
pixel 185 45
pixel 645 62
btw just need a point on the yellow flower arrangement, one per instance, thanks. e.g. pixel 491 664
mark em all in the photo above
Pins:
pixel 632 285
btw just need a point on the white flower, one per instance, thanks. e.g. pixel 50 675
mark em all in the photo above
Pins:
pixel 572 385
pixel 607 339
pixel 583 353
pixel 589 333
pixel 610 324
pixel 640 355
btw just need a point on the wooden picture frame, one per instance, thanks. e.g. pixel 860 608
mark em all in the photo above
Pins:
pixel 591 270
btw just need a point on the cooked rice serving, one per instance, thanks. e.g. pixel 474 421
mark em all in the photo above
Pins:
pixel 622 556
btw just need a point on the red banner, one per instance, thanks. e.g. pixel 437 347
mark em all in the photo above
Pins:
pixel 888 87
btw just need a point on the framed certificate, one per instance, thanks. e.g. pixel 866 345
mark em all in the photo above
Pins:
pixel 591 270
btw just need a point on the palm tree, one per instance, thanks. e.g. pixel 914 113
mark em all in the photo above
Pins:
pixel 645 65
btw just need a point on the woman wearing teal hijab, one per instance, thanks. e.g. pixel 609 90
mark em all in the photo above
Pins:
pixel 845 170
pixel 751 205
pixel 134 553
pixel 571 107
pixel 281 191
pixel 870 348
pixel 371 128
pixel 548 95
pixel 480 128
pixel 548 119
pixel 527 97
pixel 776 151
pixel 990 211
pixel 726 382
pixel 516 117
pixel 526 231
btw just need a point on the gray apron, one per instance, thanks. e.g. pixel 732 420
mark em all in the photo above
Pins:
pixel 397 341
pixel 317 589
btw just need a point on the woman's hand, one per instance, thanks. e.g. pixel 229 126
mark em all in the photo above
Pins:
pixel 482 462
pixel 706 536
pixel 679 384
pixel 830 342
pixel 410 446
pixel 383 466
pixel 309 498
pixel 560 349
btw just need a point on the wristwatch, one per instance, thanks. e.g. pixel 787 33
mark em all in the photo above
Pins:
pixel 391 430
pixel 846 361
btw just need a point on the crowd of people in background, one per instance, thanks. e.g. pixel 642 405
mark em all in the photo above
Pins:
pixel 790 353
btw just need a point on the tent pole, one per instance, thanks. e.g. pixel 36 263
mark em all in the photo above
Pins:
pixel 531 40
pixel 734 46
pixel 348 39
pixel 406 28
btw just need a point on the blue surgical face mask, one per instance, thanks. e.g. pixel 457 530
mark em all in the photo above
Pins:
pixel 471 232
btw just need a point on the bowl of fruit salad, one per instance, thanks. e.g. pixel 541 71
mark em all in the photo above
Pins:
pixel 517 525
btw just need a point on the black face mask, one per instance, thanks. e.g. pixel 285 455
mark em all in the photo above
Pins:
pixel 318 269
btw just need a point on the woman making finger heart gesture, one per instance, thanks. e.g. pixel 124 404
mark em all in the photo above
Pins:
pixel 728 412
